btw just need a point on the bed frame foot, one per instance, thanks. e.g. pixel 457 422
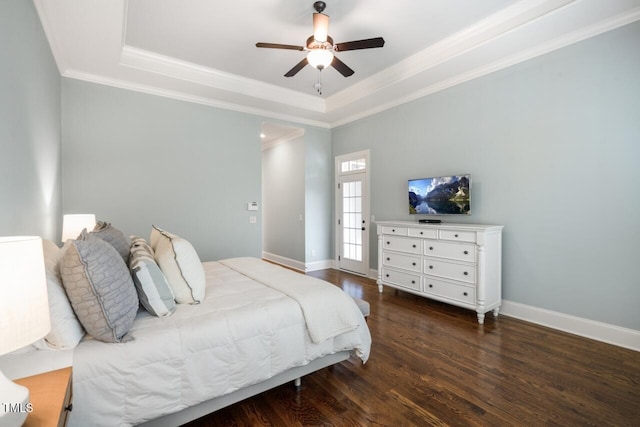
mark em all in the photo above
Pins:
pixel 297 382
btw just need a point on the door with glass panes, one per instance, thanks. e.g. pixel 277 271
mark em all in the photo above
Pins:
pixel 352 213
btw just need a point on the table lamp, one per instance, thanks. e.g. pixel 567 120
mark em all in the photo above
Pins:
pixel 24 314
pixel 73 224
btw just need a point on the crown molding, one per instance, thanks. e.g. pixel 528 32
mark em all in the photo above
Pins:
pixel 181 96
pixel 50 34
pixel 555 44
pixel 294 134
pixel 471 37
pixel 183 70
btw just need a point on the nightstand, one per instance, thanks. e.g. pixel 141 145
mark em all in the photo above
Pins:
pixel 50 397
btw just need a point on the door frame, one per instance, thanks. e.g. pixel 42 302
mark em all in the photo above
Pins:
pixel 366 207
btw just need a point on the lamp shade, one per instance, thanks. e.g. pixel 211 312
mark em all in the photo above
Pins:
pixel 24 305
pixel 73 224
pixel 319 58
pixel 24 313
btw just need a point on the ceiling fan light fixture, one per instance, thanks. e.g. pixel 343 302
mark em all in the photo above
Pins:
pixel 320 58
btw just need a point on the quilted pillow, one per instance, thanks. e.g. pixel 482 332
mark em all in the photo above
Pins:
pixel 154 291
pixel 66 331
pixel 180 263
pixel 114 237
pixel 99 287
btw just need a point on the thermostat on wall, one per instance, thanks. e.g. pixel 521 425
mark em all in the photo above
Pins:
pixel 252 206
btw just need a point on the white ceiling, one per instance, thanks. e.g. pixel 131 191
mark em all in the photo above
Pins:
pixel 204 50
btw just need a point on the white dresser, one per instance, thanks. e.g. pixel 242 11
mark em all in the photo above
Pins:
pixel 459 264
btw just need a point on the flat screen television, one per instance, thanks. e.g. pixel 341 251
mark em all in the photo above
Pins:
pixel 440 195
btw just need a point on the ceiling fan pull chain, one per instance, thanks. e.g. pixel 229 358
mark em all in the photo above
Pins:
pixel 318 85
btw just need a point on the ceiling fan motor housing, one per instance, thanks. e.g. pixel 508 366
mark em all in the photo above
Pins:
pixel 312 43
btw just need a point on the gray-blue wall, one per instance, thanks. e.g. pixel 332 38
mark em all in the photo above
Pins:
pixel 553 148
pixel 283 190
pixel 297 181
pixel 135 160
pixel 30 189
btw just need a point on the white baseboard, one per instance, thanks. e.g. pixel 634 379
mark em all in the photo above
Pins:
pixel 599 331
pixel 287 262
pixel 298 265
pixel 320 265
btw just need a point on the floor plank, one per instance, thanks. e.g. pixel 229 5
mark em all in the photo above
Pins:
pixel 432 364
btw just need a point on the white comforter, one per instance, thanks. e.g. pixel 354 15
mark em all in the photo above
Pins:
pixel 242 333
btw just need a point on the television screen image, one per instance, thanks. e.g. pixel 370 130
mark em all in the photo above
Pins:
pixel 441 195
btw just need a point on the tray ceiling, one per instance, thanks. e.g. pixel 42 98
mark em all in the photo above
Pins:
pixel 204 51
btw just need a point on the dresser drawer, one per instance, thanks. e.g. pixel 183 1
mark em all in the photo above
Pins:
pixel 424 233
pixel 399 231
pixel 406 262
pixel 402 244
pixel 457 251
pixel 462 272
pixel 406 280
pixel 458 236
pixel 453 291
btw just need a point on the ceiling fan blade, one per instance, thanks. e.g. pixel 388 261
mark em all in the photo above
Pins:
pixel 341 67
pixel 360 44
pixel 320 27
pixel 299 66
pixel 279 46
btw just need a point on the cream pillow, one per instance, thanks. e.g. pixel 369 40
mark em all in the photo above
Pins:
pixel 181 265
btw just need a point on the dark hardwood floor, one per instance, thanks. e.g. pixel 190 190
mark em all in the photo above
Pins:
pixel 432 364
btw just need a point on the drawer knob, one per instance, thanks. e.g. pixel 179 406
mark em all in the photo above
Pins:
pixel 466 252
pixel 413 282
pixel 413 263
pixel 413 246
pixel 466 273
pixel 388 259
pixel 455 235
pixel 388 243
pixel 430 285
pixel 386 275
pixel 421 233
pixel 431 267
pixel 393 230
pixel 430 248
pixel 464 293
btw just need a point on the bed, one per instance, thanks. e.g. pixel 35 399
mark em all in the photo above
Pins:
pixel 250 332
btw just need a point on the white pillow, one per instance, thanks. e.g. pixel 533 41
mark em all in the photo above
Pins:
pixel 181 265
pixel 66 331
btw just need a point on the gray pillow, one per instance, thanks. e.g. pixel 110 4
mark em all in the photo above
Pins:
pixel 114 237
pixel 99 288
pixel 154 291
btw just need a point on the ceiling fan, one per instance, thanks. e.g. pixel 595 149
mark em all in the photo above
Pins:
pixel 320 46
